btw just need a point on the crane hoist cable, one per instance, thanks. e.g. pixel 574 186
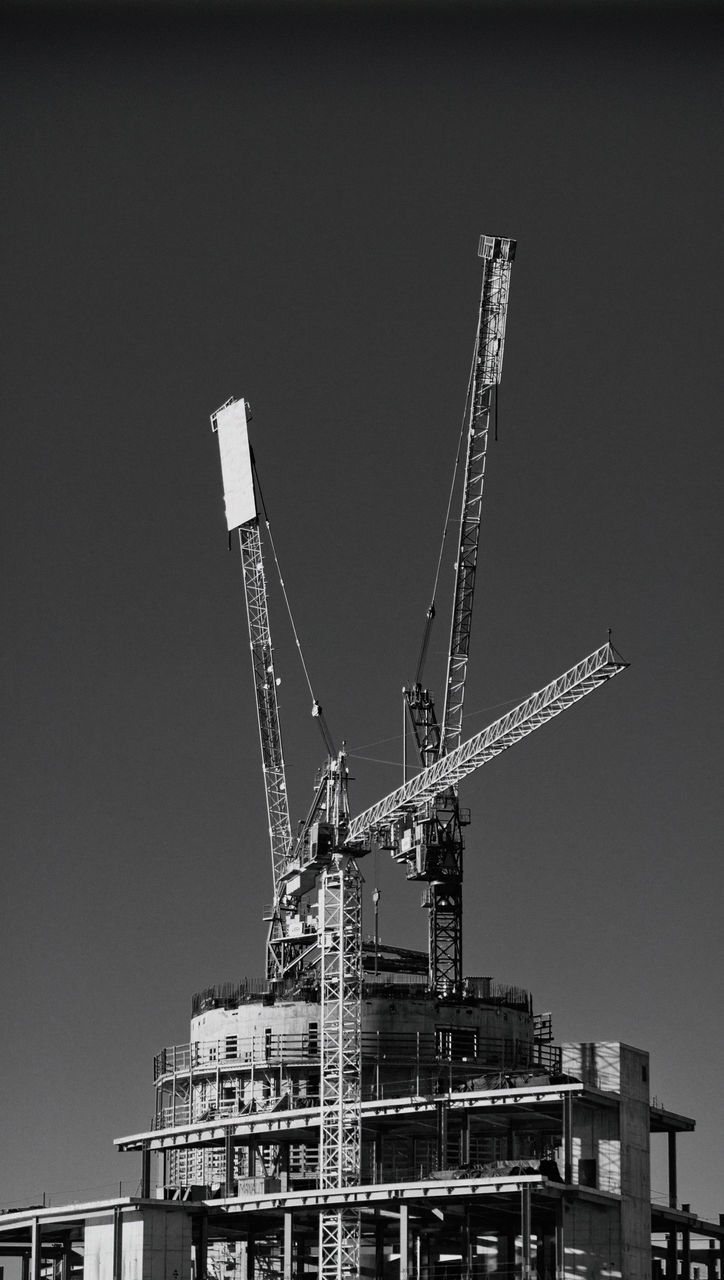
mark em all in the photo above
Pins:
pixel 316 706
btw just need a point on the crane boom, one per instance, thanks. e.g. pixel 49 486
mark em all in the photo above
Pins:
pixel 536 711
pixel 438 851
pixel 497 255
pixel 231 427
pixel 267 707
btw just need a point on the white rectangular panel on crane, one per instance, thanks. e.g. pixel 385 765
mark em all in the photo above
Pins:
pixel 230 425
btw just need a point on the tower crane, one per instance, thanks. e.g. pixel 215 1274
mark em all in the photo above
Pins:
pixel 230 422
pixel 432 843
pixel 317 866
pixel 315 922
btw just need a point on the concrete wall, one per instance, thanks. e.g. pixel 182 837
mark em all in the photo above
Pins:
pixel 597 1064
pixel 619 1142
pixel 592 1243
pixel 98 1249
pixel 166 1246
pixel 222 1040
pixel 388 1015
pixel 635 1163
pixel 155 1244
pixel 596 1148
pixel 379 1013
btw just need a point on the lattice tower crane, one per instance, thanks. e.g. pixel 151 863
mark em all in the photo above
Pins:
pixel 317 866
pixel 231 427
pixel 431 843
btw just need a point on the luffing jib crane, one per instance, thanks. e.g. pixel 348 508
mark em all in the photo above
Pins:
pixel 432 844
pixel 316 915
pixel 315 933
pixel 231 427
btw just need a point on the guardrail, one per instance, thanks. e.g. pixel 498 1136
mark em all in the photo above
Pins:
pixel 230 995
pixel 271 1049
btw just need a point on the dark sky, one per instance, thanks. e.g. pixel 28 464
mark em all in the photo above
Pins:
pixel 286 206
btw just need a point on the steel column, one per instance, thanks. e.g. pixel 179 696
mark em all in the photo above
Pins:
pixel 673 1191
pixel 201 1247
pixel 379 1247
pixel 228 1163
pixel 525 1232
pixel 404 1243
pixel 686 1254
pixel 467 1245
pixel 465 1139
pixel 672 1254
pixel 66 1261
pixel 442 1134
pixel 568 1138
pixel 288 1245
pixel 117 1243
pixel 35 1250
pixel 560 1243
pixel 146 1172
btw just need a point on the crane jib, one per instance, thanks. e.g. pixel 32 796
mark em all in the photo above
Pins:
pixel 536 711
pixel 497 255
pixel 230 424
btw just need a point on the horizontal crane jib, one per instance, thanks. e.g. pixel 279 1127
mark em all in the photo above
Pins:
pixel 530 715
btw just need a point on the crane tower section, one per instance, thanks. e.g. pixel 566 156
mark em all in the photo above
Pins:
pixel 230 423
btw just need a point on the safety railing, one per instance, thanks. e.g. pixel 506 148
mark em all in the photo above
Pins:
pixel 271 1049
pixel 230 995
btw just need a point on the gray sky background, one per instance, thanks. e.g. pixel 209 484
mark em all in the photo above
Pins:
pixel 286 206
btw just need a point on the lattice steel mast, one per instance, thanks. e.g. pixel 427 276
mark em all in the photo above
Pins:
pixel 340 934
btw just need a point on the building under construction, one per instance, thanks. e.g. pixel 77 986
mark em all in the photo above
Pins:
pixel 365 1110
